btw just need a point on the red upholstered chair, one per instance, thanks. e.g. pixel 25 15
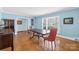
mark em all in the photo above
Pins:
pixel 51 38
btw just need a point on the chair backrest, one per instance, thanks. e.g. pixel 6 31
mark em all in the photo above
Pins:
pixel 52 34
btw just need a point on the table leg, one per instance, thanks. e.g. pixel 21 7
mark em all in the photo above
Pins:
pixel 32 36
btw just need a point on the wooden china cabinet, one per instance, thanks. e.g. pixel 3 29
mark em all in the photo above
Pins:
pixel 6 40
pixel 7 34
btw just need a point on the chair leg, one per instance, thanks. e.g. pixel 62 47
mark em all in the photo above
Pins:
pixel 49 45
pixel 52 45
pixel 46 44
pixel 55 44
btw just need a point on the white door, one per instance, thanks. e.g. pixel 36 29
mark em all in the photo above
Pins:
pixel 53 21
pixel 49 22
pixel 44 25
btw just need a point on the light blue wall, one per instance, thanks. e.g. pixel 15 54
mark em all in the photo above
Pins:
pixel 29 23
pixel 70 30
pixel 0 15
pixel 21 27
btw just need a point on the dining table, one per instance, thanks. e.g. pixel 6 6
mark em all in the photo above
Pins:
pixel 38 32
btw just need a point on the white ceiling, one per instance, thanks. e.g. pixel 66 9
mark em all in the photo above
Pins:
pixel 33 11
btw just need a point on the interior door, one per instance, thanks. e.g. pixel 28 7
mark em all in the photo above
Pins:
pixel 44 23
pixel 49 22
pixel 53 21
pixel 9 24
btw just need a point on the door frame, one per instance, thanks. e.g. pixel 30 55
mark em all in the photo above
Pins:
pixel 58 22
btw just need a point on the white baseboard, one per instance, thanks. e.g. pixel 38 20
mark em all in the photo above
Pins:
pixel 16 33
pixel 66 37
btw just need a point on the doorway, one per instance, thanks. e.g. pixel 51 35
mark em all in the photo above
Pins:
pixel 9 24
pixel 48 22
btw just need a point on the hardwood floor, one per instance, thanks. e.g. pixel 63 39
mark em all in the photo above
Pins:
pixel 23 43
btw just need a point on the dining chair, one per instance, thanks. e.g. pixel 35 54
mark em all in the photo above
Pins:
pixel 50 40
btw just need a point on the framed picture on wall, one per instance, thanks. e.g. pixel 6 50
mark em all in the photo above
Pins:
pixel 19 21
pixel 68 20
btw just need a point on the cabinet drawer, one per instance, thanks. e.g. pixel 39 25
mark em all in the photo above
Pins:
pixel 6 41
pixel 7 44
pixel 7 38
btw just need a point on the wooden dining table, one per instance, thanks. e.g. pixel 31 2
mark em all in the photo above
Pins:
pixel 37 32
